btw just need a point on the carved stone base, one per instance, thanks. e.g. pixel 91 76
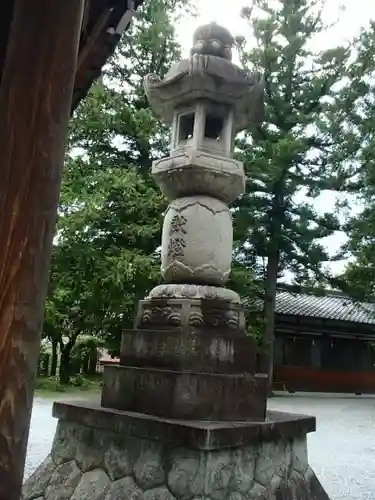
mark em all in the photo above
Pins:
pixel 99 454
pixel 190 315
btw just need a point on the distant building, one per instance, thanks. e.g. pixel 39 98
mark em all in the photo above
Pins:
pixel 324 343
pixel 106 359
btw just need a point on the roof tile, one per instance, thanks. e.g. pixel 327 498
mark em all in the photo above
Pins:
pixel 334 307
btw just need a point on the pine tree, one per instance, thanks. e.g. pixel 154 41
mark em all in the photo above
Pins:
pixel 356 128
pixel 289 159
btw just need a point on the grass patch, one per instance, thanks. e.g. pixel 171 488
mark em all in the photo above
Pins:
pixel 51 387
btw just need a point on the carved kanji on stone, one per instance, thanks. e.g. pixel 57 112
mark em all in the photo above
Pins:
pixel 176 247
pixel 178 223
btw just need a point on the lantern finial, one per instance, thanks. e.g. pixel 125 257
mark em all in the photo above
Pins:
pixel 213 40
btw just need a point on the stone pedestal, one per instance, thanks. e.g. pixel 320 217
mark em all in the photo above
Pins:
pixel 101 454
pixel 184 395
pixel 188 358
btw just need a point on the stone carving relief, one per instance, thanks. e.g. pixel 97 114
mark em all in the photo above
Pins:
pixel 194 292
pixel 176 247
pixel 177 243
pixel 195 313
pixel 161 315
pixel 219 318
pixel 197 241
pixel 178 224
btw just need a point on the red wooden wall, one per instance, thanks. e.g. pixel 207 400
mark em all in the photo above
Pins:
pixel 297 378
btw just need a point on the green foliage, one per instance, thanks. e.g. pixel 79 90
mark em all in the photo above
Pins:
pixel 288 159
pixel 109 228
pixel 356 127
pixel 291 158
pixel 243 281
pixel 49 386
pixel 358 279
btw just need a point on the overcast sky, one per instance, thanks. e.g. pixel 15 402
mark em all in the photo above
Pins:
pixel 227 12
pixel 356 14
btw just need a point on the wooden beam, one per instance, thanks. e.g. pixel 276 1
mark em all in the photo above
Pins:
pixel 35 99
pixel 5 22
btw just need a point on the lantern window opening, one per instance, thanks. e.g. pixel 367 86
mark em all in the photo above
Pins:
pixel 186 126
pixel 214 126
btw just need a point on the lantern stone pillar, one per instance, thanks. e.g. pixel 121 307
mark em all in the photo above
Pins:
pixel 183 416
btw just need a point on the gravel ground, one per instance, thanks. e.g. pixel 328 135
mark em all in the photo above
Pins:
pixel 42 431
pixel 342 451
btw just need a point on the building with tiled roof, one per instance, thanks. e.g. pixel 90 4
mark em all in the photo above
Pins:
pixel 323 343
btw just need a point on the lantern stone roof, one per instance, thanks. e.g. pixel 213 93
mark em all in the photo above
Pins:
pixel 103 23
pixel 208 74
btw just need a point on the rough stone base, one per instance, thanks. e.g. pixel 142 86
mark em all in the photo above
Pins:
pixel 101 454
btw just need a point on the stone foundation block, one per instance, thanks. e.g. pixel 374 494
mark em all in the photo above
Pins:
pixel 185 395
pixel 146 458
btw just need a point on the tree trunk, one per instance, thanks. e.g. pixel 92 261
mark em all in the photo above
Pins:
pixel 85 365
pixel 93 363
pixel 35 102
pixel 65 370
pixel 44 365
pixel 269 310
pixel 54 358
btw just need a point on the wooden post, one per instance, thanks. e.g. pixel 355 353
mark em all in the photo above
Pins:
pixel 35 99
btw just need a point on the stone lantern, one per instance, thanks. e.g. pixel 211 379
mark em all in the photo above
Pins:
pixel 207 100
pixel 183 416
pixel 190 344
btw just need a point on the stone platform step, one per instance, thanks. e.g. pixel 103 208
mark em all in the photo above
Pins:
pixel 185 395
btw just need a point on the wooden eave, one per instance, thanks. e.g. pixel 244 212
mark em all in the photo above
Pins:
pixel 330 327
pixel 103 24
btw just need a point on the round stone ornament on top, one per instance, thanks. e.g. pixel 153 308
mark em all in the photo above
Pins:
pixel 214 40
